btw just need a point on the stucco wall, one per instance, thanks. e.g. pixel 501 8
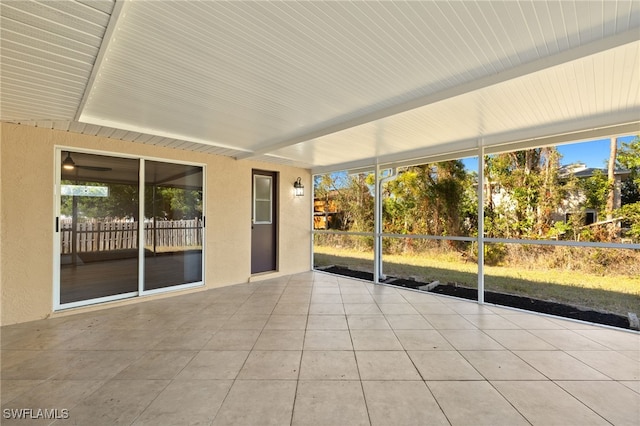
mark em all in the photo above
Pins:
pixel 27 168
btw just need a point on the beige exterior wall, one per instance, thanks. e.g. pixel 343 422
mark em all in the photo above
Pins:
pixel 27 178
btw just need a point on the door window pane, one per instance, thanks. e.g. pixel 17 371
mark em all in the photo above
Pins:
pixel 173 224
pixel 98 227
pixel 262 199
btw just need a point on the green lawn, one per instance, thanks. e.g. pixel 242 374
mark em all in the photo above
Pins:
pixel 611 293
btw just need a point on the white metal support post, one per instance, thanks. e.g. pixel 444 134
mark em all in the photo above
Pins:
pixel 481 178
pixel 380 181
pixel 312 222
pixel 141 227
pixel 377 231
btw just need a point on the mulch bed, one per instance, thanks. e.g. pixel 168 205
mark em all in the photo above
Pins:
pixel 521 302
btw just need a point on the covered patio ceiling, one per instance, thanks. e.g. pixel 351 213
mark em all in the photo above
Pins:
pixel 324 85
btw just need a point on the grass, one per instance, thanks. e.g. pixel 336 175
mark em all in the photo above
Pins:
pixel 610 293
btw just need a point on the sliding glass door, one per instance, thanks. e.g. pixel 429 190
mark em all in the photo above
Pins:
pixel 98 227
pixel 173 225
pixel 105 251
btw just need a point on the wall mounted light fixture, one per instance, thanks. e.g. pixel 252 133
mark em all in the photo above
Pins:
pixel 298 188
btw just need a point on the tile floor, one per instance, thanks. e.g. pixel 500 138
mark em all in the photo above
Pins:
pixel 316 349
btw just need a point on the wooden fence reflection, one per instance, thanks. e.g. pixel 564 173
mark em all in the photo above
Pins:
pixel 117 234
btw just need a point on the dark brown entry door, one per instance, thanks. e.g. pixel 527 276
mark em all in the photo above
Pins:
pixel 264 221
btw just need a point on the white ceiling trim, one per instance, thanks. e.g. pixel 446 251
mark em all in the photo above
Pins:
pixel 152 131
pixel 577 136
pixel 572 131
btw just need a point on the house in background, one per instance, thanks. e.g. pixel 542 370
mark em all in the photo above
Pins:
pixel 325 214
pixel 574 203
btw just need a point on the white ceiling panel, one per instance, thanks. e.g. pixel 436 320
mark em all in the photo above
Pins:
pixel 320 84
pixel 48 49
pixel 593 89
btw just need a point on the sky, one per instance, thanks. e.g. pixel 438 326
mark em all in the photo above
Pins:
pixel 593 153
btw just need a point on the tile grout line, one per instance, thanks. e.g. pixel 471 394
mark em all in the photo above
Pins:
pixel 353 350
pixel 235 379
pixel 304 337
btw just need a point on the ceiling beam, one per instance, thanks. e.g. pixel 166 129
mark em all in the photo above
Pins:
pixel 342 123
pixel 107 37
pixel 554 134
pixel 627 124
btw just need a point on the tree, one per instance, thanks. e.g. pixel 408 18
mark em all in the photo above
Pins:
pixel 352 197
pixel 522 192
pixel 629 192
pixel 629 158
pixel 122 202
pixel 430 199
pixel 596 191
pixel 173 203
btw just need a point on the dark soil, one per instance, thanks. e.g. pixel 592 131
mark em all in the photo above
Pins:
pixel 521 302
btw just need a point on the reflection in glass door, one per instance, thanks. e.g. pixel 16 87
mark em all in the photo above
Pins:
pixel 102 239
pixel 173 227
pixel 98 227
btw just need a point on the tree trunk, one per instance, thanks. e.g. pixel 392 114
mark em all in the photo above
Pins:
pixel 612 178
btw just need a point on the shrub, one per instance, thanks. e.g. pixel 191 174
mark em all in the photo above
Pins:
pixel 495 254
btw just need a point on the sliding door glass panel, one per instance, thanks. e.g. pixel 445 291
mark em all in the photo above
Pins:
pixel 173 225
pixel 98 227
